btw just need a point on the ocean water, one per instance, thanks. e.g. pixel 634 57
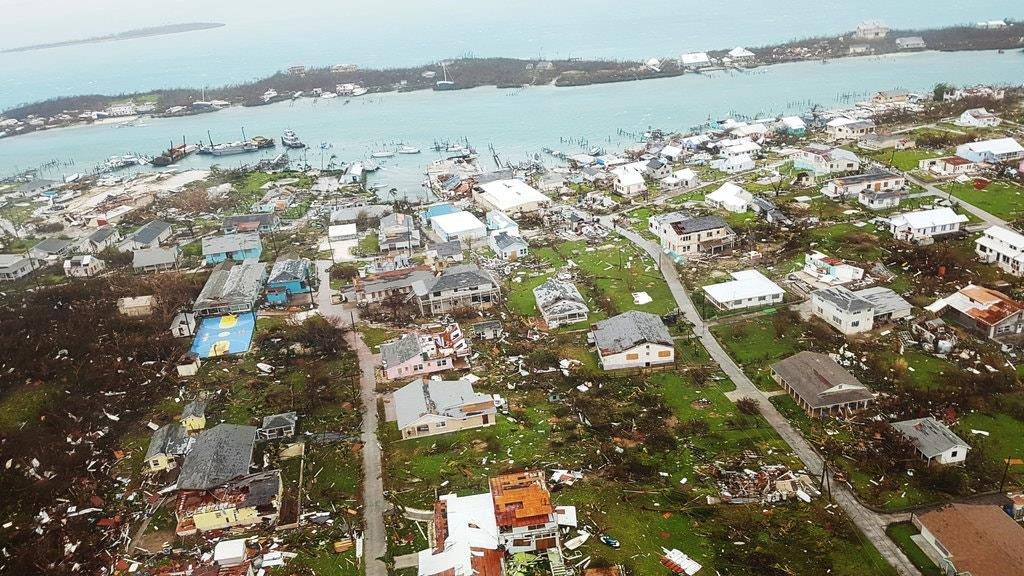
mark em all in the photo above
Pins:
pixel 263 36
pixel 517 123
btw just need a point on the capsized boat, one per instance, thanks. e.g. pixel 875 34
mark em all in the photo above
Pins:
pixel 408 150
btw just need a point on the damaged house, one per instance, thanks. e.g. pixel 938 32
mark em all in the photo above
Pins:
pixel 633 340
pixel 982 310
pixel 431 407
pixel 560 303
pixel 464 286
pixel 418 354
pixel 820 386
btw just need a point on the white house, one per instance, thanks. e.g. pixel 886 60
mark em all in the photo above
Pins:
pixel 458 226
pixel 978 118
pixel 695 60
pixel 825 159
pixel 831 271
pixel 729 196
pixel 510 196
pixel 849 128
pixel 843 309
pixel 740 53
pixel 560 303
pixel 657 169
pixel 671 153
pixel 992 151
pixel 80 266
pixel 629 182
pixel 734 164
pixel 1002 247
pixel 688 236
pixel 508 246
pixel 914 226
pixel 747 289
pixel 794 125
pixel 633 340
pixel 949 166
pixel 737 147
pixel 873 180
pixel 15 266
pixel 933 440
pixel 871 30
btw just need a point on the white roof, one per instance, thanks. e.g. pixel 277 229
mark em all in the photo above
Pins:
pixel 229 551
pixel 510 194
pixel 685 174
pixel 740 52
pixel 457 222
pixel 629 177
pixel 793 122
pixel 695 58
pixel 842 121
pixel 750 130
pixel 1006 235
pixel 928 218
pixel 340 230
pixel 745 284
pixel 997 146
pixel 471 524
pixel 671 150
pixel 742 147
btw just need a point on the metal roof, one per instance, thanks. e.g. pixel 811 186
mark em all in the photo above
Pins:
pixel 219 455
pixel 232 283
pixel 442 398
pixel 929 436
pixel 155 256
pixel 399 351
pixel 820 381
pixel 289 270
pixel 151 231
pixel 170 439
pixel 622 332
pixel 843 298
pixel 231 243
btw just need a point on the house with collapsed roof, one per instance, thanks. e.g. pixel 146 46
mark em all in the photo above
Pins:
pixel 820 386
pixel 419 353
pixel 560 303
pixel 463 286
pixel 263 223
pixel 376 288
pixel 431 407
pixel 277 426
pixel 169 443
pixel 972 539
pixel 633 339
pixel 875 185
pixel 829 270
pixel 473 533
pixel 215 488
pixel 82 266
pixel 933 440
pixel 288 277
pixel 232 288
pixel 1003 247
pixel 988 312
pixel 947 166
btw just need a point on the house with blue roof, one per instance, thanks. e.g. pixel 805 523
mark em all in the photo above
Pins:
pixel 234 247
pixel 289 276
pixel 437 210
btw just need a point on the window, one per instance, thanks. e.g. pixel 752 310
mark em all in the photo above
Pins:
pixel 632 356
pixel 440 425
pixel 953 454
pixel 855 323
pixel 664 353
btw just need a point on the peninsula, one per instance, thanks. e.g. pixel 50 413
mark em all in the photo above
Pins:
pixel 869 39
pixel 147 32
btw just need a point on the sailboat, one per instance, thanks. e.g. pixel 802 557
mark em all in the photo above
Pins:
pixel 444 84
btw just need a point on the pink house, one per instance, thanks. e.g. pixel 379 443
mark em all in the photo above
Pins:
pixel 417 354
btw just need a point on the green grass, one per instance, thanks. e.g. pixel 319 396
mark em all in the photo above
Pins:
pixel 1005 439
pixel 929 372
pixel 24 404
pixel 901 534
pixel 374 336
pixel 905 160
pixel 369 244
pixel 1002 199
pixel 755 345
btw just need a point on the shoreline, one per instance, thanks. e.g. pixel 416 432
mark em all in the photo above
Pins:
pixel 503 73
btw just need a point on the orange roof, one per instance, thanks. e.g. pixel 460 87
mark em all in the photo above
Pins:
pixel 998 306
pixel 982 539
pixel 521 499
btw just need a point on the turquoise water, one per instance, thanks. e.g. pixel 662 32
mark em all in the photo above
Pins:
pixel 263 36
pixel 519 123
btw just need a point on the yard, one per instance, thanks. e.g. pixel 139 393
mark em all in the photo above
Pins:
pixel 1002 199
pixel 901 534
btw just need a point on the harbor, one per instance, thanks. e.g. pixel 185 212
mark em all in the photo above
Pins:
pixel 519 127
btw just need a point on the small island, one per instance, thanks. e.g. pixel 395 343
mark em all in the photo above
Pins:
pixel 127 35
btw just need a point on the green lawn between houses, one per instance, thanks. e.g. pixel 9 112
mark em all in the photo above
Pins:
pixel 1002 199
pixel 901 534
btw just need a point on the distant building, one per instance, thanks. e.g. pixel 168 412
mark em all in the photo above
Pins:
pixel 793 125
pixel 431 407
pixel 849 128
pixel 891 97
pixel 820 386
pixel 875 142
pixel 911 43
pixel 734 164
pixel 560 303
pixel 633 340
pixel 831 271
pixel 871 30
pixel 695 60
pixel 263 223
pixel 992 151
pixel 933 440
pixel 822 160
pixel 978 118
pixel 1003 247
pixel 510 196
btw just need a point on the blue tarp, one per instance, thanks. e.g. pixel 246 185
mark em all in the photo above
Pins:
pixel 223 335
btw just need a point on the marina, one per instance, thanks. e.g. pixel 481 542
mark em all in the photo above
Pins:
pixel 570 120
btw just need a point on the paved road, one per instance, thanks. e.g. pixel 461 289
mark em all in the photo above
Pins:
pixel 374 503
pixel 931 190
pixel 871 524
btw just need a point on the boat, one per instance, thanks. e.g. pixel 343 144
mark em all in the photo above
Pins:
pixel 444 84
pixel 174 154
pixel 370 166
pixel 230 148
pixel 290 140
pixel 578 541
pixel 382 154
pixel 408 150
pixel 609 541
pixel 359 91
pixel 115 163
pixel 328 95
pixel 297 95
pixel 262 142
pixel 269 95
